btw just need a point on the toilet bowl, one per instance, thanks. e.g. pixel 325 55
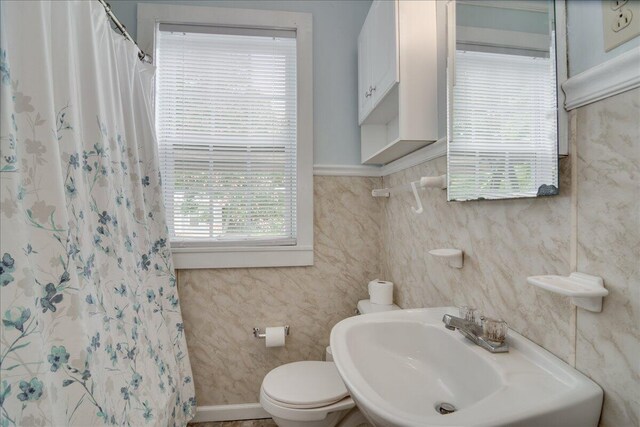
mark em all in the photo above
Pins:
pixel 311 393
pixel 308 393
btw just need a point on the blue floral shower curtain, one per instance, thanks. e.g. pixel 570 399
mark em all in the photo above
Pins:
pixel 91 329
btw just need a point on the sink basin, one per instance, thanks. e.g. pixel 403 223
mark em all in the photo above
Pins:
pixel 404 367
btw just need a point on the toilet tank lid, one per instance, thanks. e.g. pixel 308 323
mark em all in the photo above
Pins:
pixel 365 307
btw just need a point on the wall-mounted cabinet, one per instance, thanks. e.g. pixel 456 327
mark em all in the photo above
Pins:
pixel 378 64
pixel 397 79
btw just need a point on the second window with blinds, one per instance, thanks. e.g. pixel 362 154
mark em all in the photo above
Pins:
pixel 233 157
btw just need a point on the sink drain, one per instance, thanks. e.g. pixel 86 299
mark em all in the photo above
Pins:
pixel 445 408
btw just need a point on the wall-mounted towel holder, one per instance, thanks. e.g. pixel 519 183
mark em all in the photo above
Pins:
pixel 424 182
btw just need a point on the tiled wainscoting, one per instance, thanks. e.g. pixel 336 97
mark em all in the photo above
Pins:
pixel 220 307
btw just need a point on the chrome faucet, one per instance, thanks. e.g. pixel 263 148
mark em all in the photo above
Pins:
pixel 473 332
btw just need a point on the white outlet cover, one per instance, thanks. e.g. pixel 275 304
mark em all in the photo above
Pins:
pixel 614 11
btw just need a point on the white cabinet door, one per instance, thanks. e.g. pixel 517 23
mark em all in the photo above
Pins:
pixel 384 48
pixel 377 55
pixel 364 70
pixel 398 57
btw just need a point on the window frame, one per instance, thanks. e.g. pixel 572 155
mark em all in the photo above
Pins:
pixel 242 256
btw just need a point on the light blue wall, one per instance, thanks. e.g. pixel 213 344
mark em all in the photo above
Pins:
pixel 585 36
pixel 336 25
pixel 469 15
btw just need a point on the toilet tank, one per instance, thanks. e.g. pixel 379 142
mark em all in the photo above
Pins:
pixel 364 307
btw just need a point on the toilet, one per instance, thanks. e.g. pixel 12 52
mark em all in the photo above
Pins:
pixel 311 393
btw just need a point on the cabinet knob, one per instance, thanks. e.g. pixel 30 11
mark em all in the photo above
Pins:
pixel 370 91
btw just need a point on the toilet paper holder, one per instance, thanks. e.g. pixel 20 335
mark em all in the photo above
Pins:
pixel 257 333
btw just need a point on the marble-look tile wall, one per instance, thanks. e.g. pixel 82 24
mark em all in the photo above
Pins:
pixel 506 241
pixel 220 307
pixel 503 243
pixel 608 238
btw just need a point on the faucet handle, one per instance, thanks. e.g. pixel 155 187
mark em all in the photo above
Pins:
pixel 469 313
pixel 494 329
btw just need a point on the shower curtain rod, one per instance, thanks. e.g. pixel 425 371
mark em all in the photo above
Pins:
pixel 123 30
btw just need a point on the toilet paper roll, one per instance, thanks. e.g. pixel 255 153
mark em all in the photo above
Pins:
pixel 381 292
pixel 274 337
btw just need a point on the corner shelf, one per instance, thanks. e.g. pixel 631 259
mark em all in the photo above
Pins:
pixel 585 291
pixel 453 257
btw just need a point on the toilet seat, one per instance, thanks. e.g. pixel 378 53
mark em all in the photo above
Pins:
pixel 304 385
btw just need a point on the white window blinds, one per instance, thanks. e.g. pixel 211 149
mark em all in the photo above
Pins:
pixel 504 142
pixel 227 134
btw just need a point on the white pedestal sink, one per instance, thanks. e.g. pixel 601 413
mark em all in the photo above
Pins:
pixel 400 365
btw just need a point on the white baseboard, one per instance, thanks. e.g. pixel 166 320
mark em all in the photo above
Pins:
pixel 243 411
pixel 617 75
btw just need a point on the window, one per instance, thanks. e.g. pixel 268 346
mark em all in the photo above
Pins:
pixel 226 114
pixel 233 136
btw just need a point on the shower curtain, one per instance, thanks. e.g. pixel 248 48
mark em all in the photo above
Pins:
pixel 91 329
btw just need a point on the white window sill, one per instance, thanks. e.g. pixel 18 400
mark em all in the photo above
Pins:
pixel 242 257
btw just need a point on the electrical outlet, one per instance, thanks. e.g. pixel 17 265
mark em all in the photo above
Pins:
pixel 621 21
pixel 617 4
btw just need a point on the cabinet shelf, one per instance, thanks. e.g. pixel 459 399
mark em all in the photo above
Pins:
pixel 394 150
